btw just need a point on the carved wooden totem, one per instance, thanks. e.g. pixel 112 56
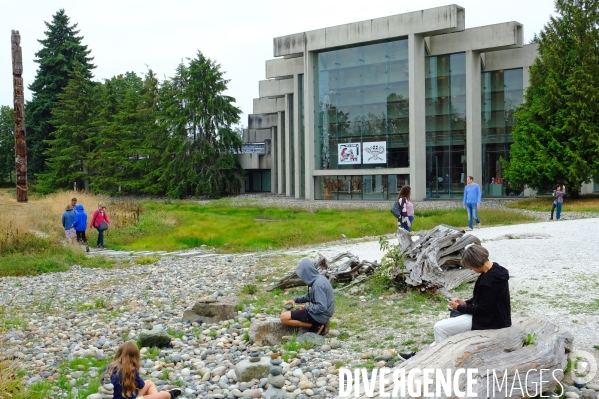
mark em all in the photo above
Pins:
pixel 19 107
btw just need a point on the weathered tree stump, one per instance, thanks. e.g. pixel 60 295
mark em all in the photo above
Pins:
pixel 498 350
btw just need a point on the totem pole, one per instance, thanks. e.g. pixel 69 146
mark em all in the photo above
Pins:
pixel 19 107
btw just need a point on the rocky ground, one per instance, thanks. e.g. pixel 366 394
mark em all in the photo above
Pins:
pixel 57 317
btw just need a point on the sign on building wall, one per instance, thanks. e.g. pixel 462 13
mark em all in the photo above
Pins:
pixel 375 152
pixel 349 153
pixel 253 148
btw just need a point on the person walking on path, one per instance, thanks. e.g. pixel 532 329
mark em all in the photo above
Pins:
pixel 68 218
pixel 554 204
pixel 471 201
pixel 80 224
pixel 406 207
pixel 100 217
pixel 560 200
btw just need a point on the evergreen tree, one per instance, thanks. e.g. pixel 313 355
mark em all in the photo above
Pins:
pixel 61 49
pixel 73 140
pixel 7 144
pixel 556 136
pixel 199 158
pixel 118 150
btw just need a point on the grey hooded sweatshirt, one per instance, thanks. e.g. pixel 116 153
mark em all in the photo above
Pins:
pixel 320 292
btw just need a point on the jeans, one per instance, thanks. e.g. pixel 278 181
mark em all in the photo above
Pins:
pixel 100 237
pixel 81 238
pixel 472 208
pixel 553 206
pixel 559 210
pixel 405 225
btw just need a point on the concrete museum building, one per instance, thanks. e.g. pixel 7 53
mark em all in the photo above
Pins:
pixel 354 112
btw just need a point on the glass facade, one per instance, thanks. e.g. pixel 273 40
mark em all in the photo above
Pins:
pixel 361 96
pixel 445 91
pixel 367 187
pixel 502 91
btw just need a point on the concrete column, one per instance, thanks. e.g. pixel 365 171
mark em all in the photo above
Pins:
pixel 296 136
pixel 416 54
pixel 309 122
pixel 280 154
pixel 288 144
pixel 473 123
pixel 274 146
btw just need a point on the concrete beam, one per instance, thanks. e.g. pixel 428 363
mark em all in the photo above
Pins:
pixel 513 58
pixel 261 121
pixel 268 105
pixel 417 123
pixel 284 67
pixel 275 87
pixel 256 135
pixel 482 38
pixel 432 21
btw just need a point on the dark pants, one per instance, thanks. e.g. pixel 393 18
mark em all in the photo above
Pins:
pixel 81 237
pixel 558 213
pixel 100 241
pixel 303 316
pixel 553 206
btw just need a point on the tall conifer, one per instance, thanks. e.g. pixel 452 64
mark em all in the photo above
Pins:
pixel 61 49
pixel 556 137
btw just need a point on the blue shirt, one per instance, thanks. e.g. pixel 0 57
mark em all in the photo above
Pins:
pixel 67 219
pixel 471 194
pixel 117 380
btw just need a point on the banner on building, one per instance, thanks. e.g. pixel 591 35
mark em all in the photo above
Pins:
pixel 349 153
pixel 375 152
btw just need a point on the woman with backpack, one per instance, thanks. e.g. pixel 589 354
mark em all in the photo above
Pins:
pixel 406 208
pixel 100 221
pixel 554 204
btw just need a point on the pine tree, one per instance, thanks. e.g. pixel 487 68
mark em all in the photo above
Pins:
pixel 200 158
pixel 556 136
pixel 61 49
pixel 73 140
pixel 7 144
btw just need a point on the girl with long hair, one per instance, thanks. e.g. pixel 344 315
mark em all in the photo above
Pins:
pixel 124 376
pixel 406 207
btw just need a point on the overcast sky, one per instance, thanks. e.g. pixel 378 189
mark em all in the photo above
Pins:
pixel 128 35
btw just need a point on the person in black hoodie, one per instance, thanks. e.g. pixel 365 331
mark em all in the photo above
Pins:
pixel 320 294
pixel 489 308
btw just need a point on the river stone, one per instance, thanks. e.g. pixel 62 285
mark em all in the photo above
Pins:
pixel 157 337
pixel 247 371
pixel 224 308
pixel 270 331
pixel 275 393
pixel 311 337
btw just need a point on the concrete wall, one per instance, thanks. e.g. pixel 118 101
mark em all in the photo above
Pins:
pixel 261 121
pixel 427 22
pixel 256 135
pixel 268 105
pixel 255 161
pixel 513 58
pixel 284 67
pixel 495 37
pixel 276 87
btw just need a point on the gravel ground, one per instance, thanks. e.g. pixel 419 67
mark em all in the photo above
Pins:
pixel 81 312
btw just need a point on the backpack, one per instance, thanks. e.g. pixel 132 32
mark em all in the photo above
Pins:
pixel 396 210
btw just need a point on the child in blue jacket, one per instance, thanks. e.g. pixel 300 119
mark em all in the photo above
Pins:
pixel 80 224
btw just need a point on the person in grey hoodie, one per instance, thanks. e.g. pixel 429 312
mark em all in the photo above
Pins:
pixel 316 316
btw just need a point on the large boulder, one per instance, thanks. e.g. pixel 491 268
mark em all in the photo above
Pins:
pixel 157 336
pixel 212 310
pixel 270 331
pixel 247 371
pixel 532 352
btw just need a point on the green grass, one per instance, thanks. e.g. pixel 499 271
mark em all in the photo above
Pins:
pixel 543 204
pixel 231 228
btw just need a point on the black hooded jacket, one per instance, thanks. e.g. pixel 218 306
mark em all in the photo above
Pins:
pixel 320 292
pixel 490 304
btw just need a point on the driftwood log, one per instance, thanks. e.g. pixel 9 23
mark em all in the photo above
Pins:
pixel 433 260
pixel 343 268
pixel 497 350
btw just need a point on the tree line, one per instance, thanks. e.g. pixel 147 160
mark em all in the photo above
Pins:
pixel 130 133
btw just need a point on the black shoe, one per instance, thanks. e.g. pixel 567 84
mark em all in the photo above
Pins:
pixel 87 248
pixel 175 392
pixel 406 356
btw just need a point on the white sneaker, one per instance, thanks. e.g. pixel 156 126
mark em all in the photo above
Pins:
pixel 478 225
pixel 468 229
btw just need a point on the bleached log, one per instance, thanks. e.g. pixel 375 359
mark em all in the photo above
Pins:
pixel 500 351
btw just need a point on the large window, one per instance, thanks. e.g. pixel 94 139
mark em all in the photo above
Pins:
pixel 361 98
pixel 367 187
pixel 502 92
pixel 445 81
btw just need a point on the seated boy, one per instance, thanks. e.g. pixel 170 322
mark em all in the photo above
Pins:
pixel 320 294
